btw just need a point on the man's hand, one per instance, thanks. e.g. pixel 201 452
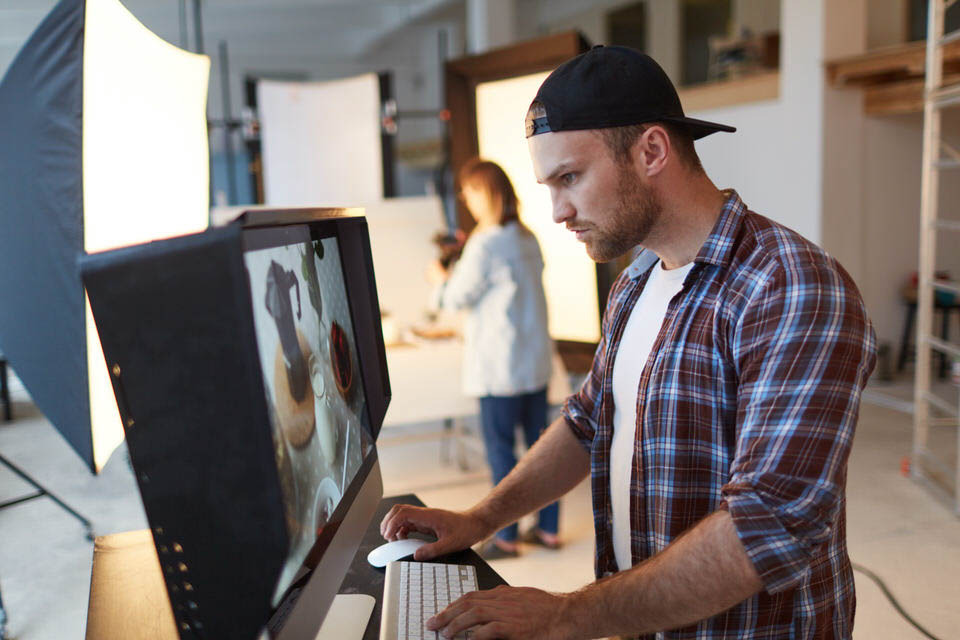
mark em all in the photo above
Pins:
pixel 506 613
pixel 454 531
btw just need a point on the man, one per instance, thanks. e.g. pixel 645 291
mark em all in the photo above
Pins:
pixel 717 419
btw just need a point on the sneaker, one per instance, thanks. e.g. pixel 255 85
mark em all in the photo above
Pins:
pixel 535 536
pixel 490 550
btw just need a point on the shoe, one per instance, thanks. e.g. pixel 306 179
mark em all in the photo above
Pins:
pixel 490 550
pixel 533 536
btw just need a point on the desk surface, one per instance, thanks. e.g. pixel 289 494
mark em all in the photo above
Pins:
pixel 128 598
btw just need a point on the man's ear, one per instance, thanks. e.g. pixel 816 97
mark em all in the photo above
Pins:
pixel 652 150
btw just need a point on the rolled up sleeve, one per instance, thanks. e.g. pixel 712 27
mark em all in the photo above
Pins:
pixel 803 350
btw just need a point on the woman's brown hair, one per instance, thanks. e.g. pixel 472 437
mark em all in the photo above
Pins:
pixel 487 175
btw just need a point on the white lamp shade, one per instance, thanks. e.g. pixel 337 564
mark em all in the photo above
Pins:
pixel 145 160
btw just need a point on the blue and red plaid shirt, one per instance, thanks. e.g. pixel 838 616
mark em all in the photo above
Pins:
pixel 747 402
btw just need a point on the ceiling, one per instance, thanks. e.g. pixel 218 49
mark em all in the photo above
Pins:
pixel 319 30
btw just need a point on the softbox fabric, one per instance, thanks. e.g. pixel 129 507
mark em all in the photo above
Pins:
pixel 41 223
pixel 103 143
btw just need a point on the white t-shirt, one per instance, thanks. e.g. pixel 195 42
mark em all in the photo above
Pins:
pixel 638 337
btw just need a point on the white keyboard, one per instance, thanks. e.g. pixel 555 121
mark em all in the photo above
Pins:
pixel 414 592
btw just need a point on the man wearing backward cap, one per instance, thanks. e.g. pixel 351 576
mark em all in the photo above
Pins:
pixel 718 416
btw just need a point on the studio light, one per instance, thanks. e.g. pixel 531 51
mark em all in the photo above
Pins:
pixel 103 145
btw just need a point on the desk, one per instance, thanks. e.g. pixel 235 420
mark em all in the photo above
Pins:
pixel 128 599
pixel 425 387
pixel 425 382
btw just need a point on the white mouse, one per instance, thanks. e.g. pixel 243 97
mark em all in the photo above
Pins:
pixel 392 551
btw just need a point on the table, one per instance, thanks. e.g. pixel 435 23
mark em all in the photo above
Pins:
pixel 425 383
pixel 128 598
pixel 425 387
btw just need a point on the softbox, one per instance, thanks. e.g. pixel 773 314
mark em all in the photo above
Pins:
pixel 103 143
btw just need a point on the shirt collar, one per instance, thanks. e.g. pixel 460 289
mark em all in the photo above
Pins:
pixel 719 244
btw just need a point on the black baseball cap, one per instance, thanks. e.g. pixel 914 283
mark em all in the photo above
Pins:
pixel 612 87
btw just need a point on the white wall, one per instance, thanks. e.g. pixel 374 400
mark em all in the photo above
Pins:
pixel 774 160
pixel 843 217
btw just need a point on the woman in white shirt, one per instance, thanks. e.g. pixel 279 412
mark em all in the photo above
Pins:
pixel 507 350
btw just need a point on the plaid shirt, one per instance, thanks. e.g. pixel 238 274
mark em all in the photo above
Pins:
pixel 747 403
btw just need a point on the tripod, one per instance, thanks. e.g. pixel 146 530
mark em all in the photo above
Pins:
pixel 3 621
pixel 40 491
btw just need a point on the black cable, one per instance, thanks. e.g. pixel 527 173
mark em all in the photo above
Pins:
pixel 896 605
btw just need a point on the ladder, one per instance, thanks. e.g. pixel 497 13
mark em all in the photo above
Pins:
pixel 932 412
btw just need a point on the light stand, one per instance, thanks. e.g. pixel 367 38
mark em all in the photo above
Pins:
pixel 42 491
pixel 3 621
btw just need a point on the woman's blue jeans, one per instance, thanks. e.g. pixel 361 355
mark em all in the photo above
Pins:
pixel 499 417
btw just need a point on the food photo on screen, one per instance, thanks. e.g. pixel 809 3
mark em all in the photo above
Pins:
pixel 310 368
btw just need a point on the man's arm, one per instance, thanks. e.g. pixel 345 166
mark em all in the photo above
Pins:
pixel 702 573
pixel 555 464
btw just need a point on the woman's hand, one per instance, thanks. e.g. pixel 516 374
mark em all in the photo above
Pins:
pixel 436 274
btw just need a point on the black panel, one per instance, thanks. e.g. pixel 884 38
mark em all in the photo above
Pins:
pixel 175 318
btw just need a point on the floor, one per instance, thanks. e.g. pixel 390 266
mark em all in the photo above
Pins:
pixel 895 528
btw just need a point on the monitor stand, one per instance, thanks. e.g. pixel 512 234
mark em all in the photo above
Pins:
pixel 347 618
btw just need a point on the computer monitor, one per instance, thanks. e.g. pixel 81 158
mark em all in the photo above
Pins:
pixel 250 374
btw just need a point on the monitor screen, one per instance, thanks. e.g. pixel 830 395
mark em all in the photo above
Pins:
pixel 311 373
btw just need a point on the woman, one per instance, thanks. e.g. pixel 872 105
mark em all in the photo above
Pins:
pixel 507 350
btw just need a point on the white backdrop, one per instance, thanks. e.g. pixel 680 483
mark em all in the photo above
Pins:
pixel 321 141
pixel 570 276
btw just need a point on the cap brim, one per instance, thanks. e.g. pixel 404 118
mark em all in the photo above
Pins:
pixel 701 128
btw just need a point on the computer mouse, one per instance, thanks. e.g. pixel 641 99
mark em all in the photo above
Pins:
pixel 392 551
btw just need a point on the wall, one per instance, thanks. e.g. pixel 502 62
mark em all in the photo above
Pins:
pixel 775 160
pixel 812 160
pixel 843 214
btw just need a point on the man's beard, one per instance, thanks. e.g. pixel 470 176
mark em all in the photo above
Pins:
pixel 638 210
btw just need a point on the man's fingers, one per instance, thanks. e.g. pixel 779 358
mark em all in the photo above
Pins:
pixel 399 521
pixel 390 522
pixel 432 550
pixel 443 618
pixel 476 614
pixel 491 631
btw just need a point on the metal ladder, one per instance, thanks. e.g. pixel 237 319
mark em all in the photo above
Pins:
pixel 943 478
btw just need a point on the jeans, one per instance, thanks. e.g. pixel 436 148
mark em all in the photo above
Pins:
pixel 499 416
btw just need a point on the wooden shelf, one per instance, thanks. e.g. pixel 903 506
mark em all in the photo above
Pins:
pixel 892 77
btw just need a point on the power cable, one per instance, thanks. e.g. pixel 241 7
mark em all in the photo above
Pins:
pixel 896 605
